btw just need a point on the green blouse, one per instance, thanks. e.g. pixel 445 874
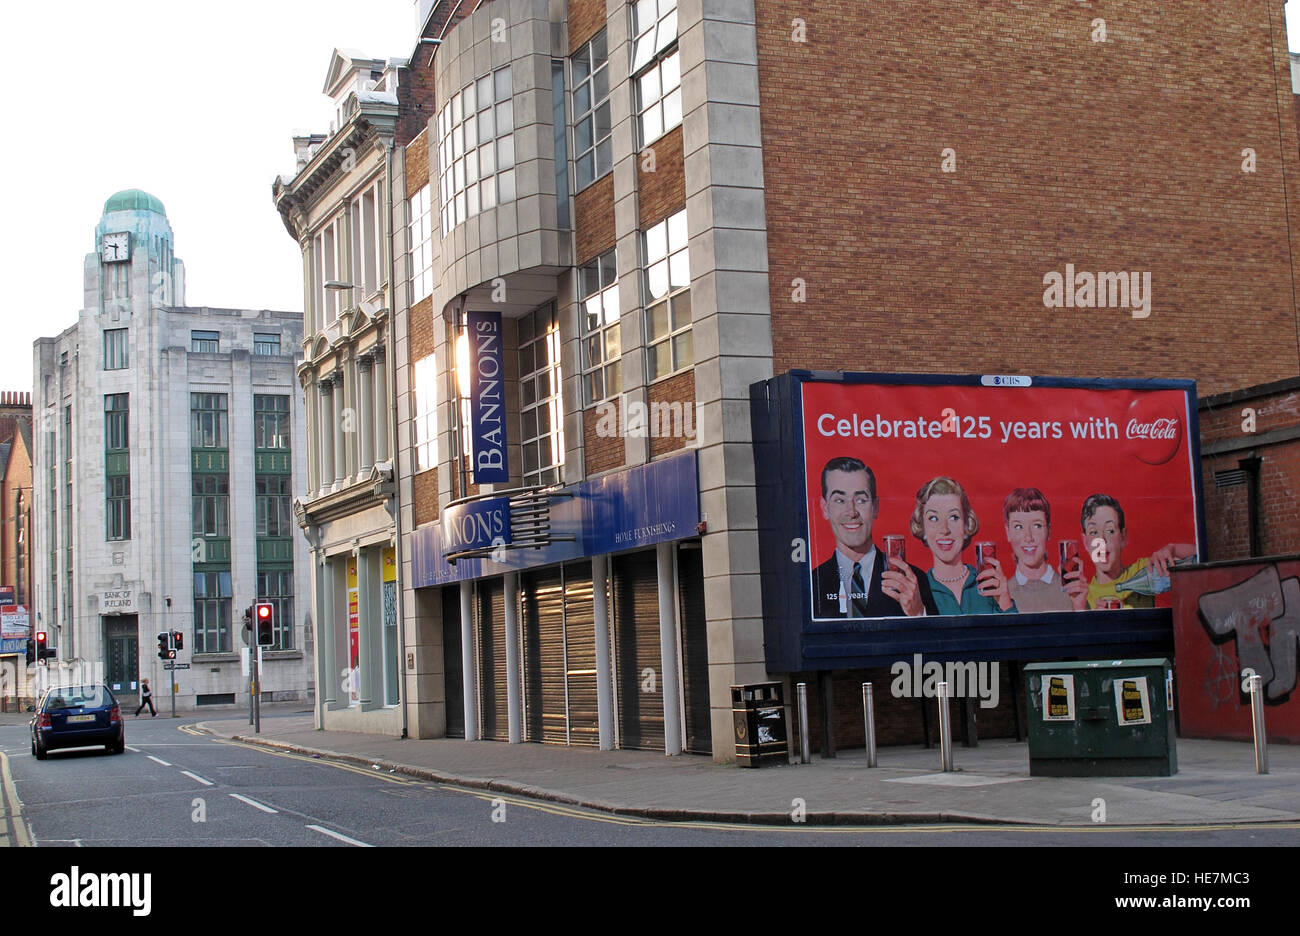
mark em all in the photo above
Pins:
pixel 972 602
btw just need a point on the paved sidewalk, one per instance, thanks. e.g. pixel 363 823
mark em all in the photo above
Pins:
pixel 1216 782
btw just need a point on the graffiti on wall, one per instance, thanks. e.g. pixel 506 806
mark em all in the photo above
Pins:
pixel 1261 617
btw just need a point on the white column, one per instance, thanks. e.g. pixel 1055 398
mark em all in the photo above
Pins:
pixel 514 695
pixel 327 687
pixel 381 405
pixel 365 374
pixel 468 682
pixel 366 624
pixel 336 430
pixel 325 433
pixel 668 651
pixel 604 679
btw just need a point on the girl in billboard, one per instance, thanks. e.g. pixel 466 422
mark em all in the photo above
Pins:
pixel 944 521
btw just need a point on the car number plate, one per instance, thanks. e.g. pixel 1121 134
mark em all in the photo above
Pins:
pixel 80 718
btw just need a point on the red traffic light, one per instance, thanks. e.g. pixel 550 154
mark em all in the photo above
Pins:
pixel 263 614
pixel 40 639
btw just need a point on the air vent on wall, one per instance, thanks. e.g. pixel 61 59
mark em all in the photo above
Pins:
pixel 1232 477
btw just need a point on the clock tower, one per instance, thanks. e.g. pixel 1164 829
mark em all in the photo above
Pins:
pixel 133 268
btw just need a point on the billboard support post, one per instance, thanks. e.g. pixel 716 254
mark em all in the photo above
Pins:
pixel 801 691
pixel 945 730
pixel 1255 686
pixel 869 717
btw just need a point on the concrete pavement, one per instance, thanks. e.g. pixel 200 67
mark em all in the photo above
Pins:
pixel 1216 782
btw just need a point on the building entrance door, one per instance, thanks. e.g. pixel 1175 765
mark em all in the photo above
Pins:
pixel 122 657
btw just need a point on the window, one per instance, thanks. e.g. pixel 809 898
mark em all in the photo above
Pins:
pixel 211 505
pixel 656 68
pixel 116 422
pixel 325 267
pixel 668 304
pixel 271 425
pixel 208 423
pixel 266 344
pixel 592 149
pixel 276 587
pixel 541 410
pixel 205 342
pixel 421 230
pixel 426 414
pixel 367 240
pixel 274 511
pixel 212 595
pixel 118 507
pixel 115 348
pixel 602 339
pixel 476 152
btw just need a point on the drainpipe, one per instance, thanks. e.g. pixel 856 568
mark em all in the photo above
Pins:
pixel 1251 466
pixel 393 445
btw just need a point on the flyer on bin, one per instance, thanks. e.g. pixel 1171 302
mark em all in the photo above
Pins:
pixel 1058 697
pixel 1132 701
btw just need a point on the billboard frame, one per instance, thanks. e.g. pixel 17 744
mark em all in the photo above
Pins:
pixel 795 642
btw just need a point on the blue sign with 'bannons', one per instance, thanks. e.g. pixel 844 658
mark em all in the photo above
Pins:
pixel 483 524
pixel 487 397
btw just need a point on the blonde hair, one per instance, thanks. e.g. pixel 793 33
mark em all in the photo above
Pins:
pixel 942 485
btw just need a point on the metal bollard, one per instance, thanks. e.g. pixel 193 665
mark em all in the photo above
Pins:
pixel 945 730
pixel 869 715
pixel 1255 686
pixel 805 754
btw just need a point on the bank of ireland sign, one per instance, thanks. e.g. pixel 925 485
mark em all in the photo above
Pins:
pixel 118 601
pixel 487 398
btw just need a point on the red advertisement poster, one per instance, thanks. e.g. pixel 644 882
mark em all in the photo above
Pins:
pixel 965 499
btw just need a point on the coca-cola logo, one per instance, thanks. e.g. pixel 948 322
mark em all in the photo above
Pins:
pixel 1156 429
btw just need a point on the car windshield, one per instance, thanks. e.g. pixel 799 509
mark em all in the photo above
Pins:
pixel 68 697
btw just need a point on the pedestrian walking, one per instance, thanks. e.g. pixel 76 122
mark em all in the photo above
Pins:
pixel 146 698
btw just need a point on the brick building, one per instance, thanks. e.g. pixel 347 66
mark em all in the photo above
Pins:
pixel 667 201
pixel 16 493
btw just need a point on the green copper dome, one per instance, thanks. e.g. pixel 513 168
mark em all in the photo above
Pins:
pixel 134 200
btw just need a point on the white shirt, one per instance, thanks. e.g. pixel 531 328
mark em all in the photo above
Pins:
pixel 1047 578
pixel 867 566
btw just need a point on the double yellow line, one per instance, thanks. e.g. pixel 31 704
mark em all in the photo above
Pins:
pixel 11 810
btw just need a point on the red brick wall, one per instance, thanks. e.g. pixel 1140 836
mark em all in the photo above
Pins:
pixel 1068 151
pixel 18 475
pixel 425 485
pixel 662 192
pixel 417 163
pixel 420 330
pixel 678 389
pixel 586 18
pixel 601 453
pixel 593 219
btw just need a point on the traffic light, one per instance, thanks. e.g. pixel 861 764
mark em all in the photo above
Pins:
pixel 165 650
pixel 178 640
pixel 42 646
pixel 31 652
pixel 265 626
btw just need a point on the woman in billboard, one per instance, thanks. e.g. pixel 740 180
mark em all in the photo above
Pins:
pixel 944 521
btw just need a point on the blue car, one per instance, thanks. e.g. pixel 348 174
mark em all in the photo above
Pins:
pixel 77 716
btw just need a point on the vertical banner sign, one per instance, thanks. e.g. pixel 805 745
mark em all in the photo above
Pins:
pixel 487 398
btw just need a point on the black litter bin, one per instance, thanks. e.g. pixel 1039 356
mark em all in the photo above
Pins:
pixel 758 714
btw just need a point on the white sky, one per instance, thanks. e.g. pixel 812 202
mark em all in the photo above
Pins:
pixel 192 102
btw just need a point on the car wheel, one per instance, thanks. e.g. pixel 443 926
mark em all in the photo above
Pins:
pixel 118 747
pixel 38 750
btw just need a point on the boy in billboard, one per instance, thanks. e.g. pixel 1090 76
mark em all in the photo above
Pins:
pixel 857 581
pixel 1116 585
pixel 944 521
pixel 1037 586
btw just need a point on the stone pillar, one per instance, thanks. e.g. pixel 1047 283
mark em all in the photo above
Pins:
pixel 325 433
pixel 336 430
pixel 514 687
pixel 364 413
pixel 381 404
pixel 468 678
pixel 668 650
pixel 366 623
pixel 604 678
pixel 329 683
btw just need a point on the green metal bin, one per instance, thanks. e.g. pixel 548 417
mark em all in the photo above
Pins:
pixel 1101 718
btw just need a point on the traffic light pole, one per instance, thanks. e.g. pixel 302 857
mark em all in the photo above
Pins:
pixel 257 691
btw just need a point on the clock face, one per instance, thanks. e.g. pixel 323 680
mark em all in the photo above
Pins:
pixel 115 247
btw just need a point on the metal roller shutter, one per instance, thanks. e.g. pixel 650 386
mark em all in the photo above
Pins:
pixel 580 654
pixel 638 673
pixel 494 706
pixel 452 664
pixel 542 596
pixel 695 649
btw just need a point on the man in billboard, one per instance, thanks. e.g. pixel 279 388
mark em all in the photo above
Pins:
pixel 1037 586
pixel 857 581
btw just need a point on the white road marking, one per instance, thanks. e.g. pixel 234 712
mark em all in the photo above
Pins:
pixel 194 776
pixel 254 803
pixel 339 835
pixel 132 749
pixel 156 760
